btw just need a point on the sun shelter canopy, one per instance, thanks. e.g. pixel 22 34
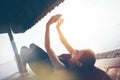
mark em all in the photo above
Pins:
pixel 23 14
pixel 20 15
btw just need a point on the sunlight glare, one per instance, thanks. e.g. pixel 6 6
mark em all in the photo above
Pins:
pixel 87 23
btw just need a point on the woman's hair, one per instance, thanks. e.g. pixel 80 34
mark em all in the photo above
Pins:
pixel 88 58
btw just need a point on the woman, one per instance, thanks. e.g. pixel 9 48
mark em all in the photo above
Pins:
pixel 76 56
pixel 79 62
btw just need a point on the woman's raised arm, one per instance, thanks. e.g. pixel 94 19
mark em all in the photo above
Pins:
pixel 58 65
pixel 62 38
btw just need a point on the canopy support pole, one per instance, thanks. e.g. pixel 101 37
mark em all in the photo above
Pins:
pixel 18 59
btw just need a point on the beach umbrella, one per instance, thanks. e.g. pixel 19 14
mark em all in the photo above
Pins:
pixel 19 15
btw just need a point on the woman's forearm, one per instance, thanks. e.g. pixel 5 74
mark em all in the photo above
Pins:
pixel 64 41
pixel 47 39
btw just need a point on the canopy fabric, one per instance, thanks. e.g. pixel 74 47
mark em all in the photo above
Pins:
pixel 23 14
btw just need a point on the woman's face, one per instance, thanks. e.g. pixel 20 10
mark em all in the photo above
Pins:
pixel 75 58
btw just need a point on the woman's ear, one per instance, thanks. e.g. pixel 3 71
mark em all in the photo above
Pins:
pixel 79 64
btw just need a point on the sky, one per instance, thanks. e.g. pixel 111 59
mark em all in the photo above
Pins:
pixel 91 24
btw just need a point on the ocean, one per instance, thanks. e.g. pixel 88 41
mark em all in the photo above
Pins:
pixel 7 69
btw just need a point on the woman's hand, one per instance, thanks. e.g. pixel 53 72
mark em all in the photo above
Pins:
pixel 59 23
pixel 54 19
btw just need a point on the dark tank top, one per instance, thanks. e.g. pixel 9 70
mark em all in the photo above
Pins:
pixel 89 73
